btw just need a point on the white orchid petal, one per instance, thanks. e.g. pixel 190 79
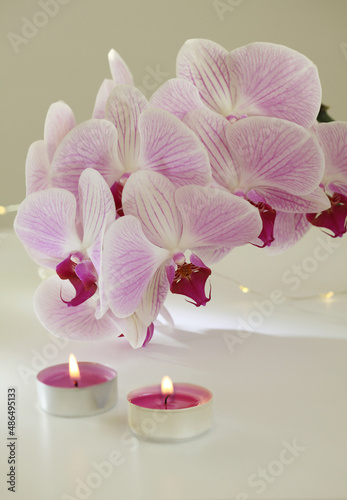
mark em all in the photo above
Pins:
pixel 149 196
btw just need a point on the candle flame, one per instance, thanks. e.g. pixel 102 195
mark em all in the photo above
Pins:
pixel 167 387
pixel 73 368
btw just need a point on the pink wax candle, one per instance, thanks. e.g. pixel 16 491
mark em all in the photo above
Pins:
pixel 75 390
pixel 182 412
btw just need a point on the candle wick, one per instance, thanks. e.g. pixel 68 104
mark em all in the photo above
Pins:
pixel 166 400
pixel 76 383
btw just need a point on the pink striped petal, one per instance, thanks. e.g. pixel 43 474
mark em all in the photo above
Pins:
pixel 274 80
pixel 289 229
pixel 170 148
pixel 130 262
pixel 93 144
pixel 177 96
pixel 333 140
pixel 280 200
pixel 98 212
pixel 273 153
pixel 123 109
pixel 45 224
pixel 37 168
pixel 149 196
pixel 204 63
pixel 120 72
pixel 212 255
pixel 215 218
pixel 211 128
pixel 59 121
pixel 154 296
pixel 71 323
pixel 101 98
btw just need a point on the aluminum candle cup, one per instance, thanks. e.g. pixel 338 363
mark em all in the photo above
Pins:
pixel 94 392
pixel 187 413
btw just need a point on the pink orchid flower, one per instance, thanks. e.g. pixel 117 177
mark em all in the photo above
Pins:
pixel 61 235
pixel 145 249
pixel 333 140
pixel 259 79
pixel 59 121
pixel 121 75
pixel 275 164
pixel 131 138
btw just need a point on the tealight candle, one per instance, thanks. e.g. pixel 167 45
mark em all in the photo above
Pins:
pixel 169 412
pixel 77 390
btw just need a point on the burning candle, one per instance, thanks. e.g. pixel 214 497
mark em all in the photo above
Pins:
pixel 77 389
pixel 169 412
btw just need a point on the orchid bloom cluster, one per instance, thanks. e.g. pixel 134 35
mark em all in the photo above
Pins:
pixel 143 197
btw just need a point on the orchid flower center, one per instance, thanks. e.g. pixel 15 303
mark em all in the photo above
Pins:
pixel 334 218
pixel 82 275
pixel 189 279
pixel 234 118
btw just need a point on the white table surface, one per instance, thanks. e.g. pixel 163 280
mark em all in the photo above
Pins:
pixel 288 387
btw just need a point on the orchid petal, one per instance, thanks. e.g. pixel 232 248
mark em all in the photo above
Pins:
pixel 101 98
pixel 177 96
pixel 149 334
pixel 130 262
pixel 274 153
pixel 45 223
pixel 204 63
pixel 93 144
pixel 212 255
pixel 123 109
pixel 37 168
pixel 59 121
pixel 120 72
pixel 71 323
pixel 289 229
pixel 280 200
pixel 215 218
pixel 211 129
pixel 149 196
pixel 154 297
pixel 171 148
pixel 274 80
pixel 134 330
pixel 98 212
pixel 333 140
